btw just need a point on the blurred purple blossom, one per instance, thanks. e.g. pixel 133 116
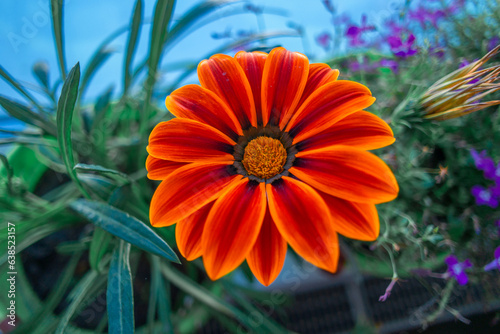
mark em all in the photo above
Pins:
pixel 485 164
pixel 495 264
pixel 402 49
pixel 423 15
pixel 437 51
pixel 457 269
pixel 324 40
pixel 391 64
pixel 484 196
pixel 493 42
pixel 355 33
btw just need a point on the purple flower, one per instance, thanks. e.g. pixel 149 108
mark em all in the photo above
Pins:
pixel 354 33
pixel 423 15
pixel 394 27
pixel 437 52
pixel 484 163
pixel 391 64
pixel 402 49
pixel 457 269
pixel 495 264
pixel 324 40
pixel 484 196
pixel 493 42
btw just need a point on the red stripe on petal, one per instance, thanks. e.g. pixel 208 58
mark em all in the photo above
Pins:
pixel 188 189
pixel 346 172
pixel 188 233
pixel 327 105
pixel 362 129
pixel 202 105
pixel 319 74
pixel 284 79
pixel 304 220
pixel 252 64
pixel 353 220
pixel 185 140
pixel 267 256
pixel 232 227
pixel 224 76
pixel 159 169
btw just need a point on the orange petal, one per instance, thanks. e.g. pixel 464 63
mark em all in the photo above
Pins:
pixel 185 140
pixel 268 254
pixel 232 227
pixel 188 189
pixel 284 79
pixel 159 169
pixel 224 76
pixel 188 232
pixel 326 106
pixel 347 172
pixel 202 105
pixel 304 220
pixel 353 220
pixel 252 64
pixel 319 74
pixel 362 129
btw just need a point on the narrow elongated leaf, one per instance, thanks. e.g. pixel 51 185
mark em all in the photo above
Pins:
pixel 162 15
pixel 41 72
pixel 101 170
pixel 124 227
pixel 98 246
pixel 191 18
pixel 11 81
pixel 64 119
pixel 26 115
pixel 119 296
pixel 135 27
pixel 97 60
pixel 56 7
pixel 77 296
pixel 6 167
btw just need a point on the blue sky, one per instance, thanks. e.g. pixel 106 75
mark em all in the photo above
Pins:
pixel 26 33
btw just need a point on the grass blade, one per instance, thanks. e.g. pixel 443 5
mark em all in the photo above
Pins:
pixel 56 7
pixel 120 297
pixel 77 296
pixel 97 60
pixel 26 115
pixel 135 27
pixel 161 20
pixel 124 227
pixel 11 81
pixel 98 247
pixel 64 119
pixel 101 170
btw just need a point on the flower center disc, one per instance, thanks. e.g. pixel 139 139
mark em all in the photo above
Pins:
pixel 264 157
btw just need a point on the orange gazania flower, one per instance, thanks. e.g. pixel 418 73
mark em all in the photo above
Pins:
pixel 270 150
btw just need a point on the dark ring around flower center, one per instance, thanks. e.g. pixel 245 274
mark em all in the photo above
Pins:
pixel 252 133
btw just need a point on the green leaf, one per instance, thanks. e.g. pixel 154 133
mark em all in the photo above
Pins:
pixel 120 297
pixel 135 27
pixel 64 119
pixel 7 167
pixel 124 227
pixel 101 170
pixel 41 72
pixel 161 20
pixel 98 247
pixel 56 7
pixel 26 115
pixel 97 60
pixel 77 296
pixel 191 18
pixel 11 81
